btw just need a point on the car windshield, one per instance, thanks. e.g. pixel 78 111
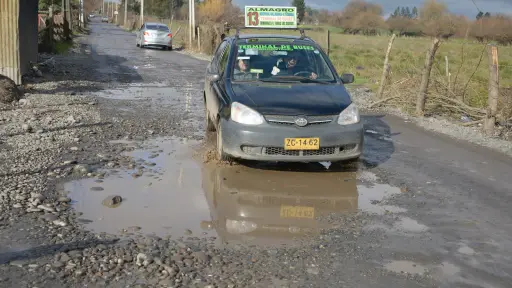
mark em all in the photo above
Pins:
pixel 280 62
pixel 158 27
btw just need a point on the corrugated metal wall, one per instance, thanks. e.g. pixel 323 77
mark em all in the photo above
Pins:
pixel 9 40
pixel 18 37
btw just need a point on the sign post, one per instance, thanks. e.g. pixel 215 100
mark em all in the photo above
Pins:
pixel 275 17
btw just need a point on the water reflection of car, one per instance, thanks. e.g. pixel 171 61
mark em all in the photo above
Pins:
pixel 273 207
pixel 279 98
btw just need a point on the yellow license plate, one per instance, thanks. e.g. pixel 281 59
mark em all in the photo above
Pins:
pixel 301 143
pixel 297 212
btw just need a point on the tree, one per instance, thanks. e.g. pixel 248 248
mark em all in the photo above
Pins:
pixel 396 13
pixel 359 16
pixel 402 12
pixel 487 14
pixel 415 12
pixel 408 12
pixel 479 15
pixel 301 9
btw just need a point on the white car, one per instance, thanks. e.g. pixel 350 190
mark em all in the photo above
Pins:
pixel 154 35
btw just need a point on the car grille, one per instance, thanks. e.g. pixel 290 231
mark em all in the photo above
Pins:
pixel 280 151
pixel 290 120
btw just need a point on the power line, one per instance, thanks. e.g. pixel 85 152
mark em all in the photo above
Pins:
pixel 476 6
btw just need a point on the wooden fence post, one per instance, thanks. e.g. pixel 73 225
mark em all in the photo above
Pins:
pixel 448 74
pixel 425 77
pixel 492 100
pixel 385 72
pixel 198 39
pixel 328 39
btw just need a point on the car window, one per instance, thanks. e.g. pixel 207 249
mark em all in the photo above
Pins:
pixel 275 60
pixel 157 27
pixel 219 51
pixel 224 59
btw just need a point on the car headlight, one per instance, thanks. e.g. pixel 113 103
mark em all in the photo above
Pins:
pixel 240 227
pixel 349 116
pixel 245 115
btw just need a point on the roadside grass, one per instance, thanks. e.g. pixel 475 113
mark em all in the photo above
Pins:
pixel 62 47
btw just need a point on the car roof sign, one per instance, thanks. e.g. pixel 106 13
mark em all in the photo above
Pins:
pixel 276 17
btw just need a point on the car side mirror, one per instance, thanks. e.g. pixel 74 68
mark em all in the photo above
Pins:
pixel 347 78
pixel 214 77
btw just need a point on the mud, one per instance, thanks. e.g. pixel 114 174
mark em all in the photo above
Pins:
pixel 254 204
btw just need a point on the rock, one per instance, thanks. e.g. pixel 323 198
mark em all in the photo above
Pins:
pixel 188 232
pixel 24 102
pixel 201 256
pixel 81 169
pixel 64 200
pixel 46 208
pixel 9 92
pixel 59 223
pixel 26 127
pixel 188 262
pixel 96 189
pixel 112 201
pixel 49 217
pixel 18 263
pixel 143 259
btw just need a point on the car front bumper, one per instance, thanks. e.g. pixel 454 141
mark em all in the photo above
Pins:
pixel 265 142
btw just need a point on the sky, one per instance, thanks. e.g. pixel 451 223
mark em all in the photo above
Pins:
pixel 465 7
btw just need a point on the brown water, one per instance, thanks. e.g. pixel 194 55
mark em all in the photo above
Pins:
pixel 176 195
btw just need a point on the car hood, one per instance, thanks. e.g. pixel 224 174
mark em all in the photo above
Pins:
pixel 291 98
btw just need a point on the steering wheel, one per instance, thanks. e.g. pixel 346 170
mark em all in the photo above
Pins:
pixel 306 73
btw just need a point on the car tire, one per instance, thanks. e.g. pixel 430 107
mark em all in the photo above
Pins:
pixel 170 48
pixel 221 156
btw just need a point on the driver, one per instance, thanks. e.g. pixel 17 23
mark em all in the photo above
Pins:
pixel 292 68
pixel 241 71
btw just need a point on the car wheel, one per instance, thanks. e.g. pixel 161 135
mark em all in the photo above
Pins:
pixel 170 48
pixel 208 121
pixel 221 156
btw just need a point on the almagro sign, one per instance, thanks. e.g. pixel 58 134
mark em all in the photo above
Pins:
pixel 270 17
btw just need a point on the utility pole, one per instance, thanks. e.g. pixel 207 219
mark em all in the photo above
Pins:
pixel 141 12
pixel 125 12
pixel 190 22
pixel 193 19
pixel 68 15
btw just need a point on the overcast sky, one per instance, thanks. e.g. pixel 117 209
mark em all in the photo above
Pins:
pixel 465 7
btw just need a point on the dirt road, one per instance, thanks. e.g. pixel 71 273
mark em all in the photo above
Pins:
pixel 421 209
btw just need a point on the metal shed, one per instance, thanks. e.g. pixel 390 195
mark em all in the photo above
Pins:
pixel 18 37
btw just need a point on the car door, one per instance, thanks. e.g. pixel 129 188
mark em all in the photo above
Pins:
pixel 219 87
pixel 213 68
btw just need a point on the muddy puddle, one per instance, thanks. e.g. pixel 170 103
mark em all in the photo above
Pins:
pixel 170 193
pixel 152 94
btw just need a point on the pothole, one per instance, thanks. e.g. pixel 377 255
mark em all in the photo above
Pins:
pixel 408 267
pixel 161 195
pixel 167 192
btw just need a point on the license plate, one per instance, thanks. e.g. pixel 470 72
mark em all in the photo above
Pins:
pixel 301 143
pixel 297 212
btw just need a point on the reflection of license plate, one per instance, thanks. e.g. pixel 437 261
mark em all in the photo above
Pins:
pixel 301 143
pixel 297 212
